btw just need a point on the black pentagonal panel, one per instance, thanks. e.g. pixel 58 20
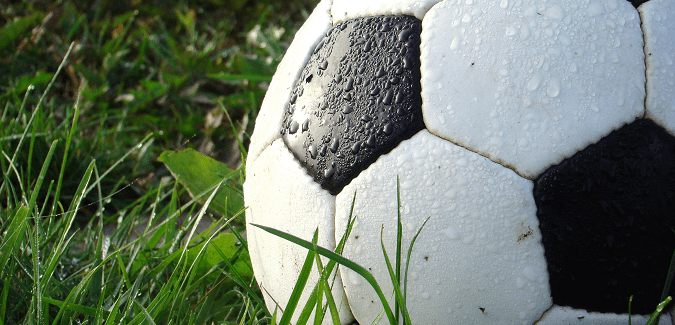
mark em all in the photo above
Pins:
pixel 637 3
pixel 606 216
pixel 356 99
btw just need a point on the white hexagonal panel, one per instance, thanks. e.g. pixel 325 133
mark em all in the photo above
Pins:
pixel 344 10
pixel 529 82
pixel 658 24
pixel 280 194
pixel 567 315
pixel 478 260
pixel 268 122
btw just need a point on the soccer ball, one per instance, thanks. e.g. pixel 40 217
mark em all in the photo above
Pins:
pixel 537 136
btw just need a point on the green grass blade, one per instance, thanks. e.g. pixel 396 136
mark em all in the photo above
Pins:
pixel 85 310
pixel 311 301
pixel 399 244
pixel 656 315
pixel 69 139
pixel 39 104
pixel 299 285
pixel 147 316
pixel 61 246
pixel 330 301
pixel 3 304
pixel 407 261
pixel 669 278
pixel 340 260
pixel 14 237
pixel 394 281
pixel 309 307
pixel 14 29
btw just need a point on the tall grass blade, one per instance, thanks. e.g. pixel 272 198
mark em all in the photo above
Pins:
pixel 394 281
pixel 61 246
pixel 407 261
pixel 340 260
pixel 399 239
pixel 299 285
pixel 39 105
pixel 311 301
pixel 69 139
pixel 14 237
pixel 330 301
pixel 669 278
pixel 656 315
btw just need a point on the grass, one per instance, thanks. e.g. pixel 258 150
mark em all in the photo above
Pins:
pixel 100 218
pixel 95 229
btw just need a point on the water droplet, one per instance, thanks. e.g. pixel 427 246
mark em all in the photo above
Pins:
pixel 553 89
pixel 293 127
pixel 388 97
pixel 451 233
pixel 454 45
pixel 524 32
pixel 381 72
pixel 405 34
pixel 356 147
pixel 534 82
pixel 313 151
pixel 350 84
pixel 388 128
pixel 329 172
pixel 371 141
pixel 354 278
pixel 334 145
pixel 504 4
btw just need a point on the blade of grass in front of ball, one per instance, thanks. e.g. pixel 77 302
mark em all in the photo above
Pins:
pixel 306 312
pixel 669 276
pixel 318 315
pixel 300 283
pixel 330 301
pixel 656 315
pixel 394 281
pixel 399 238
pixel 360 270
pixel 309 307
pixel 407 261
